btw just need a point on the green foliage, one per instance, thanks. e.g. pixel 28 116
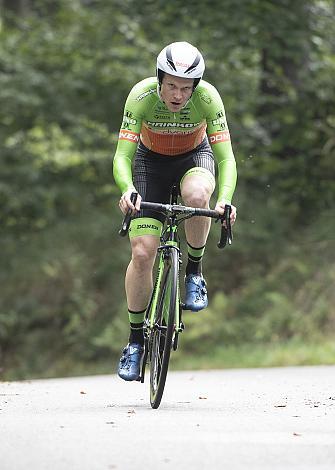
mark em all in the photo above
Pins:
pixel 65 70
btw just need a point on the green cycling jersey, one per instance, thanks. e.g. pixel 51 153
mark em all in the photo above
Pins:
pixel 147 118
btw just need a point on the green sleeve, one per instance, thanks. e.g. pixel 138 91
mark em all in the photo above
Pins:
pixel 127 144
pixel 219 138
pixel 122 165
pixel 227 174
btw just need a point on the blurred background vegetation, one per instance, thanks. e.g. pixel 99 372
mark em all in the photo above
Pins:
pixel 65 71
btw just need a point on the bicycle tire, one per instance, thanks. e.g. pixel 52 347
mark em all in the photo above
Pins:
pixel 162 334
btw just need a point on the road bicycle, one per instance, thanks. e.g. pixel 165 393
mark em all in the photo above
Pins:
pixel 163 318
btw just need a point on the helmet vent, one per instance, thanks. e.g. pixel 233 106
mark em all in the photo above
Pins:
pixel 195 63
pixel 169 58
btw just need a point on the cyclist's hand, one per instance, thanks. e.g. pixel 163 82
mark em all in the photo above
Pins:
pixel 125 202
pixel 220 205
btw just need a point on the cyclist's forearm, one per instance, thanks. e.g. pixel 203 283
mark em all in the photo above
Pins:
pixel 227 174
pixel 122 173
pixel 227 180
pixel 122 164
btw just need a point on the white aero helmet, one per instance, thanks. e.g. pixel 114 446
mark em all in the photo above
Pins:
pixel 180 59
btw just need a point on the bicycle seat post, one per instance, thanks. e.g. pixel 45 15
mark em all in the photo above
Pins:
pixel 174 194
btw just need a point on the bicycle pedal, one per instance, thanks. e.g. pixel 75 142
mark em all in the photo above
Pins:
pixel 140 379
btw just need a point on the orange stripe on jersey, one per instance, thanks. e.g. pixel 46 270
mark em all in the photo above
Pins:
pixel 217 137
pixel 128 135
pixel 172 143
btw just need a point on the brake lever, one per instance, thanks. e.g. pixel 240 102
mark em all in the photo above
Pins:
pixel 226 230
pixel 127 218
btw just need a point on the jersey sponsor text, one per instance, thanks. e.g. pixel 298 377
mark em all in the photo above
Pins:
pixel 217 137
pixel 146 93
pixel 173 124
pixel 128 135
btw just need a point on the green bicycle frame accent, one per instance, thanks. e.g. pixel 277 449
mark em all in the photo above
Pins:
pixel 169 241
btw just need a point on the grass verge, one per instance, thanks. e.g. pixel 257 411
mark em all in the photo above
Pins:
pixel 289 353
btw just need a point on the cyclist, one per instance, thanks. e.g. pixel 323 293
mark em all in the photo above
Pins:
pixel 174 129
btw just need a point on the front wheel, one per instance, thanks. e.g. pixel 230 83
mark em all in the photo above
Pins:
pixel 162 335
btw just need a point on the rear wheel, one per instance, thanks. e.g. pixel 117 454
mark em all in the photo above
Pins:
pixel 162 335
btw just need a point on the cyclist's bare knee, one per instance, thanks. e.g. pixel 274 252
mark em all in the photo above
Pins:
pixel 144 251
pixel 196 191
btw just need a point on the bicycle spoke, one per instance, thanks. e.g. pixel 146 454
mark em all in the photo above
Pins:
pixel 163 333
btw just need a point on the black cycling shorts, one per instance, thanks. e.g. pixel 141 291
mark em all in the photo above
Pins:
pixel 155 174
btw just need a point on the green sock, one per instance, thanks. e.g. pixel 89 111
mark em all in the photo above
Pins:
pixel 195 255
pixel 136 321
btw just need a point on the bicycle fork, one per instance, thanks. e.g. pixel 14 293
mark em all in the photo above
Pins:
pixel 149 324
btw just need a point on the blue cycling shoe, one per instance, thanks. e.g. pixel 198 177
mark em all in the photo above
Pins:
pixel 196 293
pixel 130 362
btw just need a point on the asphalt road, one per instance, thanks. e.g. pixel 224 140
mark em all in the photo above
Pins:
pixel 281 418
